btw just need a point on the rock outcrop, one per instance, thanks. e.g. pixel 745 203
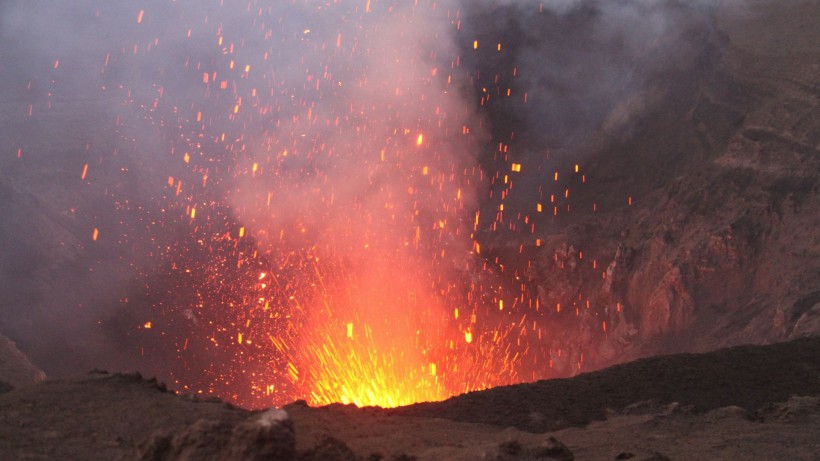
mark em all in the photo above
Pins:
pixel 16 370
pixel 718 244
pixel 266 436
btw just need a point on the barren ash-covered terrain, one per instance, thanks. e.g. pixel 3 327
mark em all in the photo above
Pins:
pixel 747 402
pixel 499 230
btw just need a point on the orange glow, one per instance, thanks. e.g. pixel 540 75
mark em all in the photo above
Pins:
pixel 337 253
pixel 399 357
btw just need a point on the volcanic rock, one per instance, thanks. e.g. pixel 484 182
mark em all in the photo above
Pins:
pixel 98 416
pixel 718 244
pixel 685 383
pixel 651 456
pixel 509 447
pixel 15 368
pixel 104 416
pixel 551 449
pixel 330 449
pixel 732 411
pixel 266 436
pixel 795 410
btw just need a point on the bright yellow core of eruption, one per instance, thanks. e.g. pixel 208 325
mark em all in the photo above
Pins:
pixel 389 343
pixel 357 371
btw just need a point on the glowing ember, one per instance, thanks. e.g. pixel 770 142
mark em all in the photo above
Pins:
pixel 330 200
pixel 377 212
pixel 326 183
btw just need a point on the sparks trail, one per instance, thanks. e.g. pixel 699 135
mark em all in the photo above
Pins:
pixel 327 174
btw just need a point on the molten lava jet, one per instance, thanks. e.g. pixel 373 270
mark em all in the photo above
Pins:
pixel 329 181
pixel 371 185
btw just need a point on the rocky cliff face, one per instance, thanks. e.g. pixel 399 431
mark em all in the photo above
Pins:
pixel 720 245
pixel 15 368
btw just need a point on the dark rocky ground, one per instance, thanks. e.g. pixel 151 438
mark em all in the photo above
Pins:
pixel 15 368
pixel 748 402
pixel 745 376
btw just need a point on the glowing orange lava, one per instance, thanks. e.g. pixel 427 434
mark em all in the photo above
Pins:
pixel 343 261
pixel 375 203
pixel 387 341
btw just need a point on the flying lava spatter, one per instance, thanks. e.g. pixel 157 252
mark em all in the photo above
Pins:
pixel 325 166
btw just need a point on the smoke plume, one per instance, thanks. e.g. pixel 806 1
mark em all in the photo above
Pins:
pixel 224 193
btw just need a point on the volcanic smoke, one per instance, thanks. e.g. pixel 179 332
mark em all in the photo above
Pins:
pixel 299 197
pixel 294 196
pixel 365 193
